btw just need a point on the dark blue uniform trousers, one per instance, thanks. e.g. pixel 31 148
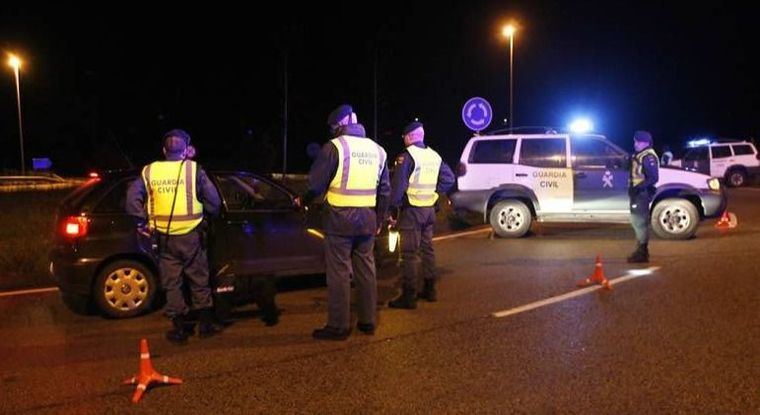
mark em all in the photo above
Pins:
pixel 344 256
pixel 640 216
pixel 184 255
pixel 416 228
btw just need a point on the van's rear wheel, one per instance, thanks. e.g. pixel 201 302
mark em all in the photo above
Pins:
pixel 125 289
pixel 736 177
pixel 510 218
pixel 675 219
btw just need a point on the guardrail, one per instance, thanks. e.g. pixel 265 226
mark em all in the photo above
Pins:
pixel 11 184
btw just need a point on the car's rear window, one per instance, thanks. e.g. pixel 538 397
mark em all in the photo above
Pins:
pixel 493 152
pixel 115 200
pixel 75 198
pixel 742 149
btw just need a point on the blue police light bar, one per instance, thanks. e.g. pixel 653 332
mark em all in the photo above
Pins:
pixel 698 142
pixel 581 126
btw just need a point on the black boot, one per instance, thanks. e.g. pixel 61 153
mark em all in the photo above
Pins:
pixel 640 255
pixel 407 299
pixel 207 327
pixel 331 333
pixel 428 291
pixel 178 333
pixel 366 328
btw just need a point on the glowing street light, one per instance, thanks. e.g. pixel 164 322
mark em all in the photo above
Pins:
pixel 509 32
pixel 15 63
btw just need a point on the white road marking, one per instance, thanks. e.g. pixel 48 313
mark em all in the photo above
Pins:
pixel 457 235
pixel 25 292
pixel 627 277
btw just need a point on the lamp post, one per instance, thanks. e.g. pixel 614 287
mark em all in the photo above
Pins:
pixel 509 32
pixel 15 63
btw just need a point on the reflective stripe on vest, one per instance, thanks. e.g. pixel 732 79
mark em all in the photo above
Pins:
pixel 424 178
pixel 360 164
pixel 637 166
pixel 160 180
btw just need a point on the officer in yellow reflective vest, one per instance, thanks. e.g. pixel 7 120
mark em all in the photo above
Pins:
pixel 644 176
pixel 168 202
pixel 419 176
pixel 351 170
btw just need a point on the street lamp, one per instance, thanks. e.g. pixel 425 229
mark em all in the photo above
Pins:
pixel 509 32
pixel 15 63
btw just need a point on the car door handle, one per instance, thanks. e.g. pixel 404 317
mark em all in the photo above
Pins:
pixel 580 175
pixel 521 174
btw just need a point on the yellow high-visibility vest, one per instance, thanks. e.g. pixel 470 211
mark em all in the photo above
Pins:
pixel 160 180
pixel 637 166
pixel 360 164
pixel 424 178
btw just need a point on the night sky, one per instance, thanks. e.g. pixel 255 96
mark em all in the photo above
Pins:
pixel 100 86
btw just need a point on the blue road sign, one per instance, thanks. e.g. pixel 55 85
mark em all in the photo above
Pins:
pixel 477 114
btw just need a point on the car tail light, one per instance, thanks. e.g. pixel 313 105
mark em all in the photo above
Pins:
pixel 461 169
pixel 75 226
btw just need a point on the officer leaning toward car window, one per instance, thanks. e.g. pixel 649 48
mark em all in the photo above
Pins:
pixel 351 168
pixel 419 176
pixel 644 177
pixel 168 203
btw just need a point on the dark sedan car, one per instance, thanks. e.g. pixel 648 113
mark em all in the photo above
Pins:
pixel 98 259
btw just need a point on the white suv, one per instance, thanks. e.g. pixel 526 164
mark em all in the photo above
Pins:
pixel 513 179
pixel 732 160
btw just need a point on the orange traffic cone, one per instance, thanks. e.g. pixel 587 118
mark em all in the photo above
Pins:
pixel 147 374
pixel 724 222
pixel 597 278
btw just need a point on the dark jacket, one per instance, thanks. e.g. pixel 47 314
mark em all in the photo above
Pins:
pixel 403 168
pixel 206 192
pixel 346 221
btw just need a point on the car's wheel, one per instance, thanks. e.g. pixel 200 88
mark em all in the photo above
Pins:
pixel 510 218
pixel 736 178
pixel 675 219
pixel 124 289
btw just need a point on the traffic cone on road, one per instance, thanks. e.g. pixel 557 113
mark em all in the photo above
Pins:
pixel 597 277
pixel 725 221
pixel 147 374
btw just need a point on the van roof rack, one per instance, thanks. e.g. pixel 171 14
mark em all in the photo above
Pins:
pixel 525 130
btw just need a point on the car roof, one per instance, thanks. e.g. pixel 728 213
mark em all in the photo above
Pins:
pixel 535 136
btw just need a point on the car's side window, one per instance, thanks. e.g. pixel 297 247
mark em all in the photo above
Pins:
pixel 743 149
pixel 543 152
pixel 245 192
pixel 116 199
pixel 590 152
pixel 493 152
pixel 696 154
pixel 720 152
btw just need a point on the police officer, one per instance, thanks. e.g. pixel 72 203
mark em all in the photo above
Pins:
pixel 419 176
pixel 176 193
pixel 351 168
pixel 667 156
pixel 644 177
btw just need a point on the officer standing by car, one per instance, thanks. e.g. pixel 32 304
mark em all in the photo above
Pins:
pixel 176 192
pixel 644 177
pixel 351 169
pixel 419 176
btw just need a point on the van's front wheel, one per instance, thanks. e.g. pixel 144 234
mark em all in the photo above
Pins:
pixel 675 219
pixel 510 218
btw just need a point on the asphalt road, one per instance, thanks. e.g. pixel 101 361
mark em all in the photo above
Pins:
pixel 683 339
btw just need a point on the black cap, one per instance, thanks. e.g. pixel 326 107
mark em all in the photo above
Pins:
pixel 338 114
pixel 411 127
pixel 643 136
pixel 176 141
